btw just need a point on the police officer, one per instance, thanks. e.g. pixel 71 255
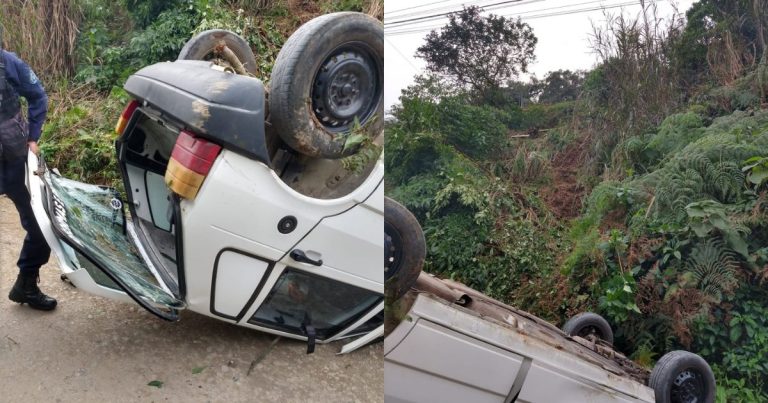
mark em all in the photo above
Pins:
pixel 17 136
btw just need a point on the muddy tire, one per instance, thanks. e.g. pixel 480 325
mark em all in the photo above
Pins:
pixel 404 249
pixel 203 45
pixel 329 73
pixel 682 376
pixel 588 323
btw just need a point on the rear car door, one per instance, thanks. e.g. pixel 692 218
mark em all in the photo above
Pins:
pixel 85 226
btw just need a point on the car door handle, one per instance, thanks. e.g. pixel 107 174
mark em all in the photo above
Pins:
pixel 299 256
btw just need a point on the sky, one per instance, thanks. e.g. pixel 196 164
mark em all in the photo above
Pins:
pixel 563 40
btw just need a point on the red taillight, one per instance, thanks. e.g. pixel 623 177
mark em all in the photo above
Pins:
pixel 191 160
pixel 195 153
pixel 126 116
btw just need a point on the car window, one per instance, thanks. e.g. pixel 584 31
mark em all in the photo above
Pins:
pixel 300 298
pixel 91 220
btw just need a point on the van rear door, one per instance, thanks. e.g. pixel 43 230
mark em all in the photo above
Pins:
pixel 85 226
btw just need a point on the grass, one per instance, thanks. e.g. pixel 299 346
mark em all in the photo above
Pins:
pixel 79 135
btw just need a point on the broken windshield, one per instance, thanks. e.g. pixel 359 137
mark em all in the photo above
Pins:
pixel 91 219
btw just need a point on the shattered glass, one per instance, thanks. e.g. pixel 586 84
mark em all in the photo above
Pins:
pixel 299 299
pixel 92 219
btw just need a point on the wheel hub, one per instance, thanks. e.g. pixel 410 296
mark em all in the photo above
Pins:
pixel 587 331
pixel 688 387
pixel 392 252
pixel 346 87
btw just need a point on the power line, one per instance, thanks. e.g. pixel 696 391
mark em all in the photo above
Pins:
pixel 490 7
pixel 430 10
pixel 412 7
pixel 546 15
pixel 445 14
pixel 447 8
pixel 567 12
pixel 529 11
pixel 401 54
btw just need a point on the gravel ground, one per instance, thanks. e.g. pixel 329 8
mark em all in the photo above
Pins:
pixel 92 349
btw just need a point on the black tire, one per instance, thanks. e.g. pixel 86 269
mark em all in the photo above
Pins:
pixel 202 45
pixel 682 377
pixel 329 72
pixel 404 249
pixel 588 323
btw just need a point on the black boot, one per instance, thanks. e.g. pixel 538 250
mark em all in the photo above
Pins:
pixel 25 291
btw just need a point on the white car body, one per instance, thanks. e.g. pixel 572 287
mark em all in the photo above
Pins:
pixel 222 254
pixel 443 352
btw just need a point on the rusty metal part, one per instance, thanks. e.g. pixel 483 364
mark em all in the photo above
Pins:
pixel 500 309
pixel 223 68
pixel 435 286
pixel 602 347
pixel 592 350
pixel 231 58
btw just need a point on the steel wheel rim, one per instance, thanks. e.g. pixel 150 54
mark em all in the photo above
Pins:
pixel 347 86
pixel 688 387
pixel 590 330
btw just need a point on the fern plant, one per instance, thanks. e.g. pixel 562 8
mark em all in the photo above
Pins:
pixel 714 268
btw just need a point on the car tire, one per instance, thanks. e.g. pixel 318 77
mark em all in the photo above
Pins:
pixel 328 74
pixel 404 249
pixel 681 376
pixel 588 323
pixel 202 46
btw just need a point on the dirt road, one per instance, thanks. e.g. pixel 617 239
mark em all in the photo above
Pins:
pixel 92 349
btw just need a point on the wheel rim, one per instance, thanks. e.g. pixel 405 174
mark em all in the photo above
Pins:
pixel 347 86
pixel 393 251
pixel 688 387
pixel 590 330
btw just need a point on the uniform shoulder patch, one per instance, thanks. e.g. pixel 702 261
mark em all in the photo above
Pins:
pixel 32 77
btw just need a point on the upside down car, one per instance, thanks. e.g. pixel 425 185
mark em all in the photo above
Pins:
pixel 235 205
pixel 446 342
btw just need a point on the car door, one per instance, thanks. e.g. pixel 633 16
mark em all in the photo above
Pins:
pixel 350 242
pixel 242 226
pixel 85 226
pixel 330 284
pixel 317 305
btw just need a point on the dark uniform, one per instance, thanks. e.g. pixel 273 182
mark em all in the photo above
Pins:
pixel 15 132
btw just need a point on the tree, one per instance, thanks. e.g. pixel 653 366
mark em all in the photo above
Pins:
pixel 561 85
pixel 522 93
pixel 479 52
pixel 721 40
pixel 144 12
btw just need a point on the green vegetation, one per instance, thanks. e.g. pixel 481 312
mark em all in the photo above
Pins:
pixel 97 44
pixel 643 198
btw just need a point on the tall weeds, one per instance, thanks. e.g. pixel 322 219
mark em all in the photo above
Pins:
pixel 635 87
pixel 43 32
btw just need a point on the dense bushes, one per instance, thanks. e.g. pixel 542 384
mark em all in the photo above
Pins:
pixel 79 139
pixel 108 64
pixel 670 254
pixel 477 131
pixel 694 252
pixel 453 165
pixel 737 340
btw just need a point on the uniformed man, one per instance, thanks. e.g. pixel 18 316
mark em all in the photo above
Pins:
pixel 17 137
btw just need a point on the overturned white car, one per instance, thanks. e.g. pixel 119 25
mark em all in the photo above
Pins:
pixel 239 207
pixel 446 342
